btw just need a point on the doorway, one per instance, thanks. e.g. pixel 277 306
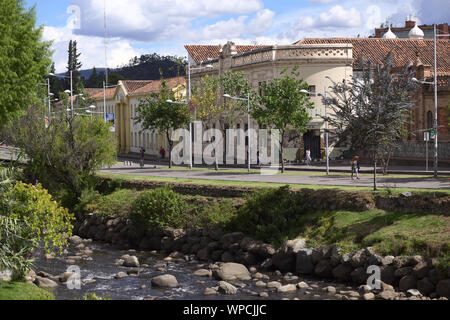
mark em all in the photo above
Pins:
pixel 311 142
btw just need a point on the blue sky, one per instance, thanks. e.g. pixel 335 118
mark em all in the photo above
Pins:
pixel 165 26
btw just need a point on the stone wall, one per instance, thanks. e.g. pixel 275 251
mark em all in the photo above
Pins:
pixel 412 275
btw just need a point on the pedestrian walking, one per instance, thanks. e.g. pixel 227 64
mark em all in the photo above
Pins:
pixel 355 167
pixel 162 152
pixel 308 157
pixel 259 159
pixel 142 157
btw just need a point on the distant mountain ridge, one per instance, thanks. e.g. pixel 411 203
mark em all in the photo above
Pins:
pixel 146 67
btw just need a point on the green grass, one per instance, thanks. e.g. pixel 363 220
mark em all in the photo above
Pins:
pixel 23 291
pixel 249 184
pixel 391 233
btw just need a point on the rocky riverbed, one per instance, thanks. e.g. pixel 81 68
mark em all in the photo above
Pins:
pixel 109 271
pixel 137 275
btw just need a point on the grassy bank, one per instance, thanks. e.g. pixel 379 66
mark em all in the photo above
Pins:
pixel 23 291
pixel 275 215
pixel 391 233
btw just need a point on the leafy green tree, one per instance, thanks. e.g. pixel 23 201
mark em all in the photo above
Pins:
pixel 65 156
pixel 24 58
pixel 372 111
pixel 155 113
pixel 210 106
pixel 283 106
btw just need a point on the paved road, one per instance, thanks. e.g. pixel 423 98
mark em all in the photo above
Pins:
pixel 227 175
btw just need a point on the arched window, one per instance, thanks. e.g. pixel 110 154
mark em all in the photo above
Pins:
pixel 429 120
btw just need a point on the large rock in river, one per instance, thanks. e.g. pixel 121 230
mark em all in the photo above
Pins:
pixel 167 281
pixel 232 271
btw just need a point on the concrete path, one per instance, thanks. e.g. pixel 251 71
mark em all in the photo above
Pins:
pixel 228 175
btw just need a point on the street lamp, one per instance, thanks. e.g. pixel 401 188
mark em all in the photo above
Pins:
pixel 71 86
pixel 327 125
pixel 190 130
pixel 436 124
pixel 249 125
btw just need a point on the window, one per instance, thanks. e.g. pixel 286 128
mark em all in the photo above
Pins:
pixel 312 89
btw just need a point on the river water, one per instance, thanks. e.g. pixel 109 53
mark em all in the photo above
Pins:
pixel 97 276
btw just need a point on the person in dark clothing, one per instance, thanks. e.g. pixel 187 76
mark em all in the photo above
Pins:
pixel 142 157
pixel 355 167
pixel 162 152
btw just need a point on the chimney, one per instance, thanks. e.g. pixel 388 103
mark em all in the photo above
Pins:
pixel 410 24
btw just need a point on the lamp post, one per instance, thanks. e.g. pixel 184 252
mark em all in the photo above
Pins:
pixel 434 83
pixel 71 86
pixel 249 126
pixel 190 132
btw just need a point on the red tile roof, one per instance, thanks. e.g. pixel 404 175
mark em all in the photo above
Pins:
pixel 99 94
pixel 153 85
pixel 92 91
pixel 405 50
pixel 137 87
pixel 207 52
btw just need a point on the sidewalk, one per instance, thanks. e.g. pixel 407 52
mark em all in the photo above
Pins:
pixel 256 177
pixel 334 167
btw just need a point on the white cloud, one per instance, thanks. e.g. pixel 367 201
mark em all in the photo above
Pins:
pixel 163 20
pixel 338 17
pixel 262 22
pixel 92 49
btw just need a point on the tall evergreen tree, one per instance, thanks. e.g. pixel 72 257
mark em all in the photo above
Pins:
pixel 55 83
pixel 74 65
pixel 94 80
pixel 24 58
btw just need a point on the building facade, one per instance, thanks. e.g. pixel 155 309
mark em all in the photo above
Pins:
pixel 417 54
pixel 319 65
pixel 121 107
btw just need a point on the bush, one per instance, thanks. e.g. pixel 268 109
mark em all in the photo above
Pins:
pixel 34 207
pixel 66 155
pixel 159 208
pixel 270 215
pixel 15 247
pixel 216 215
pixel 117 203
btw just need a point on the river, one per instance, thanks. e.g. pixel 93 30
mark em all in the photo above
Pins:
pixel 98 276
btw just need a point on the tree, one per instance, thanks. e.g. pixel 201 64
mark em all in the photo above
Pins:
pixel 64 156
pixel 24 58
pixel 371 112
pixel 94 80
pixel 74 66
pixel 283 106
pixel 210 106
pixel 55 84
pixel 155 113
